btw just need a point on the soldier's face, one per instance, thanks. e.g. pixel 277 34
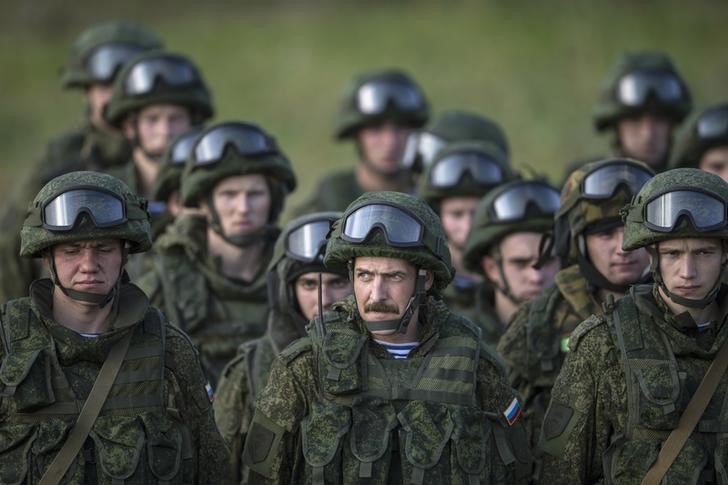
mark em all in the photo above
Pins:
pixel 604 250
pixel 690 267
pixel 715 161
pixel 334 287
pixel 456 214
pixel 89 266
pixel 645 137
pixel 242 203
pixel 157 125
pixel 98 96
pixel 383 145
pixel 519 252
pixel 383 287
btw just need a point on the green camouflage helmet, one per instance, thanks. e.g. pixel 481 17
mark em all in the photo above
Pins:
pixel 703 131
pixel 158 77
pixel 429 253
pixel 539 202
pixel 199 179
pixel 460 125
pixel 682 213
pixel 578 212
pixel 173 163
pixel 433 192
pixel 658 73
pixel 35 237
pixel 378 96
pixel 88 63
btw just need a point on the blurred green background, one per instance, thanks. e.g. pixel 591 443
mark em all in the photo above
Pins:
pixel 533 66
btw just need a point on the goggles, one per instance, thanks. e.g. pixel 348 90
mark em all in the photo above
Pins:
pixel 374 97
pixel 634 88
pixel 175 71
pixel 512 204
pixel 104 61
pixel 602 182
pixel 248 140
pixel 104 208
pixel 713 123
pixel 706 211
pixel 422 145
pixel 305 242
pixel 182 147
pixel 449 170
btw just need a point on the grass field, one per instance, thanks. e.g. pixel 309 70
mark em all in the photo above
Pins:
pixel 533 66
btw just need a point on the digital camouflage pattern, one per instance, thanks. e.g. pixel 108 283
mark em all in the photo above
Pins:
pixel 322 419
pixel 475 302
pixel 622 389
pixel 690 146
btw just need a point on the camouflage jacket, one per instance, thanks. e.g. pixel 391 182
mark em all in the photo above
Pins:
pixel 217 312
pixel 319 421
pixel 622 389
pixel 156 425
pixel 333 193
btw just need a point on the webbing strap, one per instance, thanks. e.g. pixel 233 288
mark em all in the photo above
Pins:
pixel 91 408
pixel 689 419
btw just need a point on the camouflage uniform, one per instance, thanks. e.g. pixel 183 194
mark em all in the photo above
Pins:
pixel 339 409
pixel 218 312
pixel 630 372
pixel 335 191
pixel 156 426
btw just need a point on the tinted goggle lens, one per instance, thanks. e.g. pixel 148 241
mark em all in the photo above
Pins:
pixel 247 140
pixel 374 97
pixel 105 209
pixel 706 212
pixel 512 204
pixel 399 227
pixel 304 243
pixel 634 88
pixel 603 182
pixel 422 146
pixel 182 147
pixel 105 60
pixel 448 171
pixel 175 72
pixel 713 124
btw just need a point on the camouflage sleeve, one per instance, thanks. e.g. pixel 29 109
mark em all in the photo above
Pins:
pixel 195 408
pixel 151 285
pixel 512 347
pixel 273 446
pixel 585 407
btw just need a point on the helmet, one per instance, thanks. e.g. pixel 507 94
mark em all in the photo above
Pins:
pixel 639 82
pixel 79 206
pixel 451 126
pixel 519 206
pixel 464 169
pixel 99 52
pixel 158 77
pixel 703 131
pixel 173 163
pixel 406 228
pixel 378 96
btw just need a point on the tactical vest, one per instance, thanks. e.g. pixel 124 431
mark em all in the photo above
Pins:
pixel 137 438
pixel 659 387
pixel 415 420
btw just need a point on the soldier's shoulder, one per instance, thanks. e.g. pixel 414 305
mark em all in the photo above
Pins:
pixel 296 350
pixel 590 335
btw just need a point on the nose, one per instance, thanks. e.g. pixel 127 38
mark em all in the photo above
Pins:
pixel 242 203
pixel 618 240
pixel 378 290
pixel 687 268
pixel 327 296
pixel 89 261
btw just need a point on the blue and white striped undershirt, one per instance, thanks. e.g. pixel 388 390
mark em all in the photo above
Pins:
pixel 398 351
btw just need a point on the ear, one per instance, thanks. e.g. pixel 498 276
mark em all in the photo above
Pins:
pixel 490 268
pixel 429 280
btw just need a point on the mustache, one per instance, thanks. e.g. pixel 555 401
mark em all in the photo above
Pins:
pixel 381 307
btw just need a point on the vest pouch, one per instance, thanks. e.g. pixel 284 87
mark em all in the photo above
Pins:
pixel 321 434
pixel 16 441
pixel 659 395
pixel 473 443
pixel 169 449
pixel 119 442
pixel 373 420
pixel 631 461
pixel 26 375
pixel 51 435
pixel 427 427
pixel 341 367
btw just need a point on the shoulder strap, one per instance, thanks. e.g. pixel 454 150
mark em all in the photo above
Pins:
pixel 90 411
pixel 689 419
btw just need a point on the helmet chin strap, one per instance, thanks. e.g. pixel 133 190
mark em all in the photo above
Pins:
pixel 399 325
pixel 97 299
pixel 265 233
pixel 504 288
pixel 681 300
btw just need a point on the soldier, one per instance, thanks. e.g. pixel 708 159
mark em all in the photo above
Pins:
pixel 503 246
pixel 293 286
pixel 703 142
pixel 637 390
pixel 95 385
pixel 589 233
pixel 389 387
pixel 378 112
pixel 210 268
pixel 453 184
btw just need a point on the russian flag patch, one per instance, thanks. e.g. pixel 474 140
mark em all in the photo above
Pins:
pixel 210 392
pixel 512 412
